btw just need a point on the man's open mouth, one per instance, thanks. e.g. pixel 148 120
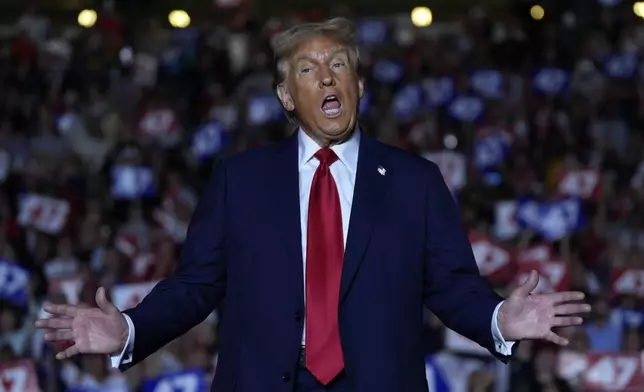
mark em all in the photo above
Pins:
pixel 331 106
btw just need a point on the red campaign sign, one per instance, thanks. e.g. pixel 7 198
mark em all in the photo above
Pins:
pixel 581 183
pixel 554 276
pixel 628 282
pixel 494 261
pixel 536 254
pixel 19 376
pixel 603 372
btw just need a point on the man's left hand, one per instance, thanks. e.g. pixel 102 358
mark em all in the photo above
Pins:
pixel 532 316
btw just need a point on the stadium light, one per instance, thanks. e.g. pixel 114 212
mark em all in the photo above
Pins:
pixel 421 17
pixel 638 8
pixel 87 18
pixel 179 19
pixel 537 12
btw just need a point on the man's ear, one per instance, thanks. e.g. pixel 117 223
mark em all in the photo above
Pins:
pixel 285 97
pixel 360 88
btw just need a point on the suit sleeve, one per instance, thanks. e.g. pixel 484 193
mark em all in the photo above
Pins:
pixel 454 289
pixel 198 285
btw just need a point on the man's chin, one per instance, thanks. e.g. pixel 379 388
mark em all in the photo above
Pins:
pixel 338 131
pixel 330 129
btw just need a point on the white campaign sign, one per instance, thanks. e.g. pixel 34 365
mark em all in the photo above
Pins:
pixel 188 382
pixel 489 257
pixel 582 183
pixel 453 167
pixel 44 213
pixel 612 372
pixel 127 296
pixel 19 376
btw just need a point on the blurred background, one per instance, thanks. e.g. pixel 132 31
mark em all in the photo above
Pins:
pixel 113 113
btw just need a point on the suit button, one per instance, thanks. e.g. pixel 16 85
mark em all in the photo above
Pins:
pixel 298 316
pixel 286 377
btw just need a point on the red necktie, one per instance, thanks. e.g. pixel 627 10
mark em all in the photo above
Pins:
pixel 324 257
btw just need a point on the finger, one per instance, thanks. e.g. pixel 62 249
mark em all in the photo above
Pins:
pixel 55 323
pixel 68 352
pixel 65 334
pixel 567 296
pixel 103 303
pixel 567 321
pixel 61 310
pixel 528 287
pixel 563 310
pixel 556 339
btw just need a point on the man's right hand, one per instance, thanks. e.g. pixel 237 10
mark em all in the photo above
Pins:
pixel 101 330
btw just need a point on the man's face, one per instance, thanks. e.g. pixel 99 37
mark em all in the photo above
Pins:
pixel 324 89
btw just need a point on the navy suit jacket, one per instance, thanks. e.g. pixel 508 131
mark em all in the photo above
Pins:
pixel 406 248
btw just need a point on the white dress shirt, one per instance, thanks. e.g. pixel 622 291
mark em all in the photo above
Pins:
pixel 344 173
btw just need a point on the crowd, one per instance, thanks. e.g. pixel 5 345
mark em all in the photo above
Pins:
pixel 108 133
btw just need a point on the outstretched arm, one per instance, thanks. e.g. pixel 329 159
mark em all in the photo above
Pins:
pixel 454 289
pixel 198 285
pixel 463 300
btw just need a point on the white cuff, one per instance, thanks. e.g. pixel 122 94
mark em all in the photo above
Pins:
pixel 502 346
pixel 125 356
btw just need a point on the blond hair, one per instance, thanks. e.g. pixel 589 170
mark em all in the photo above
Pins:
pixel 286 43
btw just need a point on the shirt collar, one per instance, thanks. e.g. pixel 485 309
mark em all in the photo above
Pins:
pixel 347 152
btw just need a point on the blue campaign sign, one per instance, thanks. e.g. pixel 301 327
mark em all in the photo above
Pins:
pixel 491 149
pixel 186 381
pixel 467 108
pixel 408 101
pixel 264 109
pixel 438 91
pixel 372 32
pixel 14 283
pixel 487 82
pixel 132 182
pixel 552 220
pixel 388 71
pixel 621 65
pixel 209 140
pixel 551 81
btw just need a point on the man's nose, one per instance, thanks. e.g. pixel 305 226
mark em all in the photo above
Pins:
pixel 326 79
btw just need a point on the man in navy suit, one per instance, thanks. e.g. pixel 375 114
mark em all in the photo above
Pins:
pixel 325 248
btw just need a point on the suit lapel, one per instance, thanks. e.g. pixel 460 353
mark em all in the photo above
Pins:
pixel 283 185
pixel 368 197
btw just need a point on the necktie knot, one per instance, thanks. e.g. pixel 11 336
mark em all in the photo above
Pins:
pixel 326 156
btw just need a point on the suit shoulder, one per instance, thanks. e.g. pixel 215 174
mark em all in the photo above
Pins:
pixel 251 158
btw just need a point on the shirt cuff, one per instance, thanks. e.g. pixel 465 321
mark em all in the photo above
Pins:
pixel 125 356
pixel 502 346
